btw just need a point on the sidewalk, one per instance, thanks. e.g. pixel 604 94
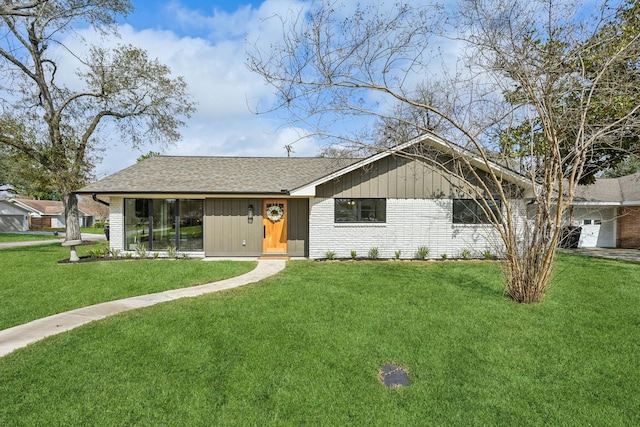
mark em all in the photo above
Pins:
pixel 29 243
pixel 22 335
pixel 85 237
pixel 631 255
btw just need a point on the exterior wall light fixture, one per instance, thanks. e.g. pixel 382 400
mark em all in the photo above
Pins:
pixel 250 214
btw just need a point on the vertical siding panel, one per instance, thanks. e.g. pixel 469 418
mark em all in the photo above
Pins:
pixel 346 184
pixel 428 184
pixel 420 191
pixel 410 192
pixel 358 183
pixel 226 226
pixel 297 244
pixel 392 178
pixel 401 178
pixel 231 237
pixel 383 178
pixel 254 239
pixel 361 186
pixel 330 187
pixel 374 183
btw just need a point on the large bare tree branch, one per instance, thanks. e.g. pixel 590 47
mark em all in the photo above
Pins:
pixel 522 63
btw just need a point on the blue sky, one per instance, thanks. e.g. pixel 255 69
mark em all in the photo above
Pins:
pixel 160 15
pixel 205 43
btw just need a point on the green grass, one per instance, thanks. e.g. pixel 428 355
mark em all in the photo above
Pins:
pixel 18 237
pixel 303 348
pixel 34 285
pixel 88 230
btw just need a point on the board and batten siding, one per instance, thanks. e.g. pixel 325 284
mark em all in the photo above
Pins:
pixel 410 223
pixel 392 177
pixel 298 227
pixel 228 233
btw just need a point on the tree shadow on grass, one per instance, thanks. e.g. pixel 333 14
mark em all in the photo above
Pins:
pixel 479 285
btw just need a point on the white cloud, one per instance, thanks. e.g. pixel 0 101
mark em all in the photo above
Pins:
pixel 213 64
pixel 224 89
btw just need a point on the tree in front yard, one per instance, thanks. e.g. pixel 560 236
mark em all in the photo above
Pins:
pixel 58 122
pixel 567 73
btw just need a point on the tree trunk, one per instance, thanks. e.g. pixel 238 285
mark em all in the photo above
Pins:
pixel 72 219
pixel 528 277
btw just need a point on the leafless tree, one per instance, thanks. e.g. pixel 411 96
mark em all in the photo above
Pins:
pixel 518 62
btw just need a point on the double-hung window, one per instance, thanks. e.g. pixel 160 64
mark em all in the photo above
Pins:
pixel 360 210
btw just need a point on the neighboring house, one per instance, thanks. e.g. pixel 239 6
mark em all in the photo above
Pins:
pixel 608 212
pixel 13 218
pixel 42 213
pixel 6 192
pixel 230 206
pixel 50 213
pixel 92 211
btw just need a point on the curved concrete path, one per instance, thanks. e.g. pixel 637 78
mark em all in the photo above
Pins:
pixel 22 335
pixel 29 243
pixel 85 237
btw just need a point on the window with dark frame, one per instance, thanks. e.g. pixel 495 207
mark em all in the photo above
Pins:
pixel 469 211
pixel 161 223
pixel 360 210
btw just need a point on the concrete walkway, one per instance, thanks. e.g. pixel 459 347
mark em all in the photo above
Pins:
pixel 28 243
pixel 85 237
pixel 631 255
pixel 22 335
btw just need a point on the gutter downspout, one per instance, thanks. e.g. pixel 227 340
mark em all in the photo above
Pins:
pixel 106 227
pixel 95 198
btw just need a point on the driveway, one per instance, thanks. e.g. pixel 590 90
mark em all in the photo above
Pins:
pixel 631 255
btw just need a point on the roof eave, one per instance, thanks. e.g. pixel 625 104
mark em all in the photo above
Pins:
pixel 26 207
pixel 190 193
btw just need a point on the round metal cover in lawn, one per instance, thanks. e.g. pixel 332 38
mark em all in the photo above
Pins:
pixel 393 376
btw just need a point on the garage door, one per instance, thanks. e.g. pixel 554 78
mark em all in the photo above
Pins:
pixel 11 223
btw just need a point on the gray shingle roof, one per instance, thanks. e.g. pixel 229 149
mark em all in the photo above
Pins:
pixel 630 186
pixel 611 190
pixel 248 175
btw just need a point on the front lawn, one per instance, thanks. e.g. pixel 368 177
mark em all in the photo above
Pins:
pixel 304 347
pixel 34 285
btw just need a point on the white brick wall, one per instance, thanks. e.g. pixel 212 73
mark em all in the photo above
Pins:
pixel 411 223
pixel 116 223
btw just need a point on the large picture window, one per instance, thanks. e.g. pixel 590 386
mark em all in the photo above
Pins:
pixel 360 210
pixel 469 211
pixel 161 223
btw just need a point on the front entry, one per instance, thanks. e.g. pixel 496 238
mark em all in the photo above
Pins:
pixel 274 225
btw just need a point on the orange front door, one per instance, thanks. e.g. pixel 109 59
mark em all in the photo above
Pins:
pixel 274 223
